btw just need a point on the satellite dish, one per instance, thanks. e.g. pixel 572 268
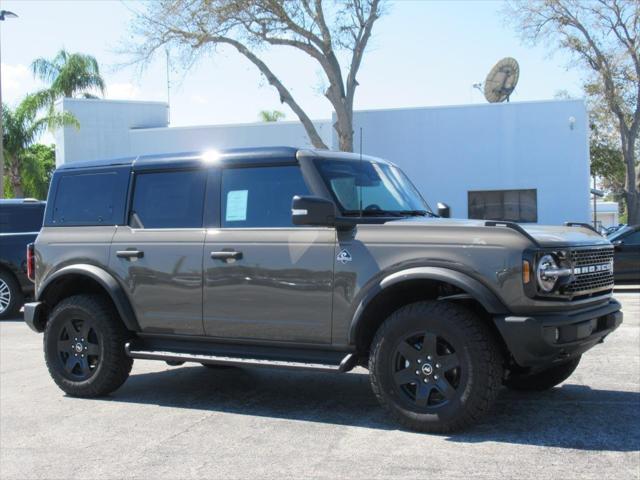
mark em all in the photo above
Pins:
pixel 502 80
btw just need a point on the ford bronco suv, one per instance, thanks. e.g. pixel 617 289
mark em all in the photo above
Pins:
pixel 280 257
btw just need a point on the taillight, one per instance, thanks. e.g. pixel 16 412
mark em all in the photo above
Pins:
pixel 31 263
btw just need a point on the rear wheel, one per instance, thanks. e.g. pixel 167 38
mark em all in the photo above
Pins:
pixel 435 367
pixel 84 347
pixel 11 298
pixel 545 379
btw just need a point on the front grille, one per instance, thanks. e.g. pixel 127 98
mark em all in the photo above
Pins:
pixel 585 281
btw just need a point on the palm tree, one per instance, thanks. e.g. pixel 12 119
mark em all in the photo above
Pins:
pixel 22 127
pixel 70 74
pixel 270 115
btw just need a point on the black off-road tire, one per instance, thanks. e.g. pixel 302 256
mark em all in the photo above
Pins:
pixel 9 286
pixel 456 398
pixel 90 325
pixel 545 379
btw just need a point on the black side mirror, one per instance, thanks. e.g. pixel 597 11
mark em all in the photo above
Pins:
pixel 313 211
pixel 443 210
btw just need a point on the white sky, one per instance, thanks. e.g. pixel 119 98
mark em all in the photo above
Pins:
pixel 423 53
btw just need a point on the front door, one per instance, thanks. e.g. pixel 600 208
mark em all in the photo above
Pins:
pixel 264 278
pixel 158 256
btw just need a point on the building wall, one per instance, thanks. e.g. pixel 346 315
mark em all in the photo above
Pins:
pixel 606 213
pixel 446 151
pixel 185 139
pixel 449 151
pixel 105 127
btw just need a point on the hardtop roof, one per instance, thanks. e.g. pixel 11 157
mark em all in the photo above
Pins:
pixel 230 156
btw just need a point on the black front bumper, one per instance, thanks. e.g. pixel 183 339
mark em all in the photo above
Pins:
pixel 541 340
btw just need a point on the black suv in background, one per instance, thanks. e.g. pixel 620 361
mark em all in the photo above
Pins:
pixel 626 258
pixel 20 222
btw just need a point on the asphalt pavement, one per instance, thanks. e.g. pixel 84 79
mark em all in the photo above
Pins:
pixel 193 422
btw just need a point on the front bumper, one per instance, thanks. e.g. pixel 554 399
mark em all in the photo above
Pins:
pixel 541 340
pixel 34 316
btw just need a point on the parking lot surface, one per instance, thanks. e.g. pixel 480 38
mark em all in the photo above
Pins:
pixel 193 422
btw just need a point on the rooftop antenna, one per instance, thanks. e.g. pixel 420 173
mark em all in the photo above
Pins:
pixel 166 51
pixel 501 80
pixel 360 188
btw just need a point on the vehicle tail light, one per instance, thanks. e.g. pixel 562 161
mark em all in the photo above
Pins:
pixel 31 263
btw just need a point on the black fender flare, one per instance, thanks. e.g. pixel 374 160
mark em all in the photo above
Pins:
pixel 471 286
pixel 108 283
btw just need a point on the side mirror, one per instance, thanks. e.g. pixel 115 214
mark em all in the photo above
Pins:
pixel 443 210
pixel 313 211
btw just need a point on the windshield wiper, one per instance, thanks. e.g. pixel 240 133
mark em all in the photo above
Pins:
pixel 373 213
pixel 417 213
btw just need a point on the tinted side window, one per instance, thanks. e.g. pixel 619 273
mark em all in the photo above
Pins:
pixel 168 199
pixel 21 218
pixel 260 197
pixel 87 199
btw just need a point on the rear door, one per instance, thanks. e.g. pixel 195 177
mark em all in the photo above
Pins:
pixel 266 279
pixel 158 255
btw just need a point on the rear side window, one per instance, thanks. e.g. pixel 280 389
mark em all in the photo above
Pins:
pixel 168 199
pixel 260 197
pixel 94 198
pixel 21 218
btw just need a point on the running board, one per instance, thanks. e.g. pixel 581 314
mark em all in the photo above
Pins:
pixel 347 363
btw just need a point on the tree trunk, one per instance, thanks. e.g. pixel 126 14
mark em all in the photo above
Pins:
pixel 15 179
pixel 345 138
pixel 632 193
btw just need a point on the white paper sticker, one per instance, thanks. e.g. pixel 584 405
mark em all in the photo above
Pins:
pixel 237 205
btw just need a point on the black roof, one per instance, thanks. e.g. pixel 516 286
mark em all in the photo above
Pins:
pixel 230 155
pixel 233 156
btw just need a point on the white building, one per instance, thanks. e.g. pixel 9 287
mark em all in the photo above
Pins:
pixel 606 214
pixel 526 160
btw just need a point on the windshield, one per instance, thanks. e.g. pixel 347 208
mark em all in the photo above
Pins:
pixel 373 188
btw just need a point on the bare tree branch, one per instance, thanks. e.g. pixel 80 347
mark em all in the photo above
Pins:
pixel 196 27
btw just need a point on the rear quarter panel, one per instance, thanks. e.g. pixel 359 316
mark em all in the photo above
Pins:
pixel 57 247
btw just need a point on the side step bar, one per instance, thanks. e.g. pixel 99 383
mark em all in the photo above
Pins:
pixel 348 362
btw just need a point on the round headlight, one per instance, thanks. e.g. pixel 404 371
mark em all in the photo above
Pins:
pixel 546 283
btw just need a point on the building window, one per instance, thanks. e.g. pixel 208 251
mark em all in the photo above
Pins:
pixel 511 205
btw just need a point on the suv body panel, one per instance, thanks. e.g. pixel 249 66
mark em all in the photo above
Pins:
pixel 165 284
pixel 281 288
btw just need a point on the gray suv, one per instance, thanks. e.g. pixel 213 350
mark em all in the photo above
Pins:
pixel 280 257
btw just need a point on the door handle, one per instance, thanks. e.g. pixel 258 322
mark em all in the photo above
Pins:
pixel 226 255
pixel 130 254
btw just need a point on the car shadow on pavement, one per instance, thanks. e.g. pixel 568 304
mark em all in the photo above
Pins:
pixel 570 416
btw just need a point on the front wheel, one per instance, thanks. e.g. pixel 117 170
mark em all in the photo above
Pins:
pixel 543 380
pixel 435 366
pixel 84 347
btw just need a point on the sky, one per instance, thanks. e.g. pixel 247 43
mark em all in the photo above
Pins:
pixel 422 53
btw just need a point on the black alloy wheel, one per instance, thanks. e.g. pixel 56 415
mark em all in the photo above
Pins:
pixel 79 349
pixel 427 371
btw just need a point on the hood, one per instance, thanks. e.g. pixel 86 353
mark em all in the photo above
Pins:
pixel 546 235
